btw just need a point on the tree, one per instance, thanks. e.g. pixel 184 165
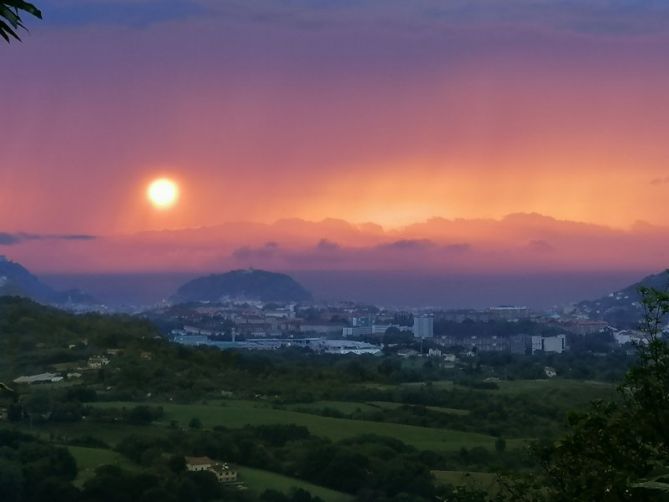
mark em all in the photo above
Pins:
pixel 617 450
pixel 195 423
pixel 11 481
pixel 10 17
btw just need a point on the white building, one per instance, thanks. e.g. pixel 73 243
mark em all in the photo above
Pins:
pixel 630 336
pixel 41 378
pixel 557 344
pixel 423 326
pixel 348 347
pixel 356 331
pixel 223 471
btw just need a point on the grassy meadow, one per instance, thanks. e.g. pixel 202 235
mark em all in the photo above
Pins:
pixel 235 414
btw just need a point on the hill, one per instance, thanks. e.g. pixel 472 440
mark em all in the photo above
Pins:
pixel 623 308
pixel 243 285
pixel 16 280
pixel 35 338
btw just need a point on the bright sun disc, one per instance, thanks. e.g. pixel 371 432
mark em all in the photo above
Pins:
pixel 163 193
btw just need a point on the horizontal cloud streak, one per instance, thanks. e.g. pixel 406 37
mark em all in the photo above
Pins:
pixel 519 243
pixel 10 239
pixel 605 17
pixel 129 13
pixel 660 181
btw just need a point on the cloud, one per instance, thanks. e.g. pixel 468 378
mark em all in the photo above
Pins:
pixel 457 248
pixel 660 181
pixel 408 245
pixel 598 17
pixel 539 246
pixel 75 237
pixel 527 243
pixel 129 13
pixel 604 17
pixel 269 250
pixel 327 245
pixel 10 239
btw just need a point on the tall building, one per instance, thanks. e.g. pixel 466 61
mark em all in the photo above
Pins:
pixel 423 326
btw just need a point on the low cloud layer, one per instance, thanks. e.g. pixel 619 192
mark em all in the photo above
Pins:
pixel 660 181
pixel 526 243
pixel 11 239
pixel 603 18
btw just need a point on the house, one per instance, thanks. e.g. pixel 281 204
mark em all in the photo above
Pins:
pixel 97 362
pixel 195 464
pixel 223 471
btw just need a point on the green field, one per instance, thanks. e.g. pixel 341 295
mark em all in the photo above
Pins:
pixel 109 433
pixel 351 407
pixel 235 414
pixel 440 409
pixel 554 384
pixel 439 384
pixel 345 407
pixel 561 391
pixel 88 459
pixel 258 480
pixel 480 480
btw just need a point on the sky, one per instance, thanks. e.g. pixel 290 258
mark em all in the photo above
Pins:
pixel 435 135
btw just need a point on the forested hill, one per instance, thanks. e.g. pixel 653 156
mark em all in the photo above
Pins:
pixel 243 284
pixel 16 280
pixel 34 337
pixel 623 308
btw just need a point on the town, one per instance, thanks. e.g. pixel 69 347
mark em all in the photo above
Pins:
pixel 348 328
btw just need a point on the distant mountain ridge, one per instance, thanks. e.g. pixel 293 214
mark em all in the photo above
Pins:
pixel 245 284
pixel 16 280
pixel 623 308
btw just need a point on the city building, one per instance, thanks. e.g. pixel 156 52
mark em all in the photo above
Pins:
pixel 557 344
pixel 509 313
pixel 586 326
pixel 516 344
pixel 348 331
pixel 502 313
pixel 423 326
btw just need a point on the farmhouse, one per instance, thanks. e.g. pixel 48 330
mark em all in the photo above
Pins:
pixel 223 472
pixel 97 362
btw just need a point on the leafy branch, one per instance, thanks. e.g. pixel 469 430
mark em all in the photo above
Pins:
pixel 10 17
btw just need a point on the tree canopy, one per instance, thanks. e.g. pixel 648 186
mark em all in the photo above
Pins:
pixel 11 21
pixel 618 450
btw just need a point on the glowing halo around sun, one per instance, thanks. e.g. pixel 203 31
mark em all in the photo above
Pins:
pixel 163 193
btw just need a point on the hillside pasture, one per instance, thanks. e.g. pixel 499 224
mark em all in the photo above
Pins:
pixel 236 414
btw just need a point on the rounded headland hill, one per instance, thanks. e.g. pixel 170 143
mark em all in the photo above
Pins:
pixel 246 284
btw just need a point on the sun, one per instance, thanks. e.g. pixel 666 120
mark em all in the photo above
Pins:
pixel 163 193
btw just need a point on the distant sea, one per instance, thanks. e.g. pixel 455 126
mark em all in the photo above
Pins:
pixel 395 289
